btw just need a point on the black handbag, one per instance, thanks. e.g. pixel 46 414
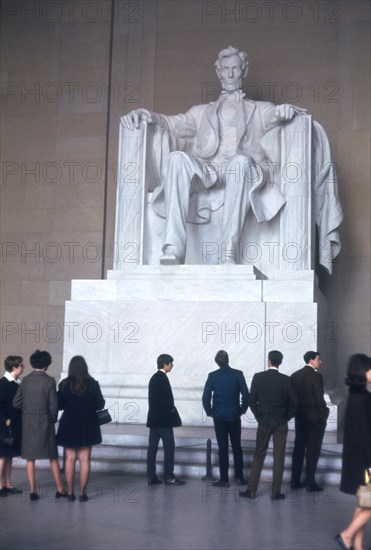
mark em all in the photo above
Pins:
pixel 104 417
pixel 6 436
pixel 176 421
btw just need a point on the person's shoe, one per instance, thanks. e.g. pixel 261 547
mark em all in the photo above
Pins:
pixel 12 491
pixel 249 493
pixel 171 256
pixel 61 495
pixel 278 496
pixel 174 481
pixel 154 481
pixel 34 496
pixel 220 483
pixel 314 488
pixel 83 498
pixel 3 492
pixel 297 485
pixel 71 497
pixel 240 481
pixel 341 543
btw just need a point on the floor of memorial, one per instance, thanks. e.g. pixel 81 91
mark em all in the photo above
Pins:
pixel 123 512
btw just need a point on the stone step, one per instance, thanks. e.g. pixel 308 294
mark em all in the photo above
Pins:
pixel 191 461
pixel 124 451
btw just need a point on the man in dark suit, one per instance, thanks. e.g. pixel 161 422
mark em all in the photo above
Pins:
pixel 310 421
pixel 162 417
pixel 226 398
pixel 273 402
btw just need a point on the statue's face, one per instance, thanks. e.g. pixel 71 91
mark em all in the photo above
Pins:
pixel 230 73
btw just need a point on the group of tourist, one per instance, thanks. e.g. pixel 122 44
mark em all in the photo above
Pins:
pixel 274 399
pixel 29 410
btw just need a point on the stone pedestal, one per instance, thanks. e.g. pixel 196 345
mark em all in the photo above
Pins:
pixel 120 325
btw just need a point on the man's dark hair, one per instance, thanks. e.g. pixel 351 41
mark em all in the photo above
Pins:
pixel 40 359
pixel 309 356
pixel 275 357
pixel 12 362
pixel 222 359
pixel 163 360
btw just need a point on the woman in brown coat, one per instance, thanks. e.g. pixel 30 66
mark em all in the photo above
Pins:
pixel 37 397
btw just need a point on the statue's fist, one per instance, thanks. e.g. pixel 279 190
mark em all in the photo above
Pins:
pixel 286 112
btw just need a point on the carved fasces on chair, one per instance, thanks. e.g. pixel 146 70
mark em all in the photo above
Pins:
pixel 129 235
pixel 289 155
pixel 296 222
pixel 143 153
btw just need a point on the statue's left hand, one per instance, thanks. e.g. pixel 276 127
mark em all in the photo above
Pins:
pixel 286 112
pixel 132 120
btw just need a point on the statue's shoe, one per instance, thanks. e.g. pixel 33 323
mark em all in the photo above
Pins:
pixel 171 256
pixel 229 260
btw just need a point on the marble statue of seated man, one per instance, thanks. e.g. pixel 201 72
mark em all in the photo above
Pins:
pixel 224 164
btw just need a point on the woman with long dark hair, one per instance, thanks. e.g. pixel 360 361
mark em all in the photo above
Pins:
pixel 357 446
pixel 80 397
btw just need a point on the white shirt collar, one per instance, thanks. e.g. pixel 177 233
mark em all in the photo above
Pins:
pixel 9 377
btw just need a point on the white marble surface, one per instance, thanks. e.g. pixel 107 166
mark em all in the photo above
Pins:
pixel 184 282
pixel 292 329
pixel 88 289
pixel 284 291
pixel 121 341
pixel 121 325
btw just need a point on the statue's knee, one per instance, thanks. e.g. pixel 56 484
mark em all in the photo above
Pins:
pixel 178 158
pixel 243 171
pixel 242 160
pixel 176 170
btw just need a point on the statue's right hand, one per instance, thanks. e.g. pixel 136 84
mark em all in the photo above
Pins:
pixel 133 119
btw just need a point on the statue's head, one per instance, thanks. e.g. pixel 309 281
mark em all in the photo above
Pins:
pixel 231 67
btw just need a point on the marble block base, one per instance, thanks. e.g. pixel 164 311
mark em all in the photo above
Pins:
pixel 122 324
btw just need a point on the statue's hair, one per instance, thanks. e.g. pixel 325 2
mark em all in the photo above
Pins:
pixel 228 52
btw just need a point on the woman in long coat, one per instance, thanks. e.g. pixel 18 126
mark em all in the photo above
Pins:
pixel 357 446
pixel 37 397
pixel 80 397
pixel 9 417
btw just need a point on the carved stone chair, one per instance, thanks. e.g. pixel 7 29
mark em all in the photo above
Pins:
pixel 284 243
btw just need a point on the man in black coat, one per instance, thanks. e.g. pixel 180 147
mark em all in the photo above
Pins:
pixel 310 421
pixel 273 402
pixel 162 417
pixel 226 398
